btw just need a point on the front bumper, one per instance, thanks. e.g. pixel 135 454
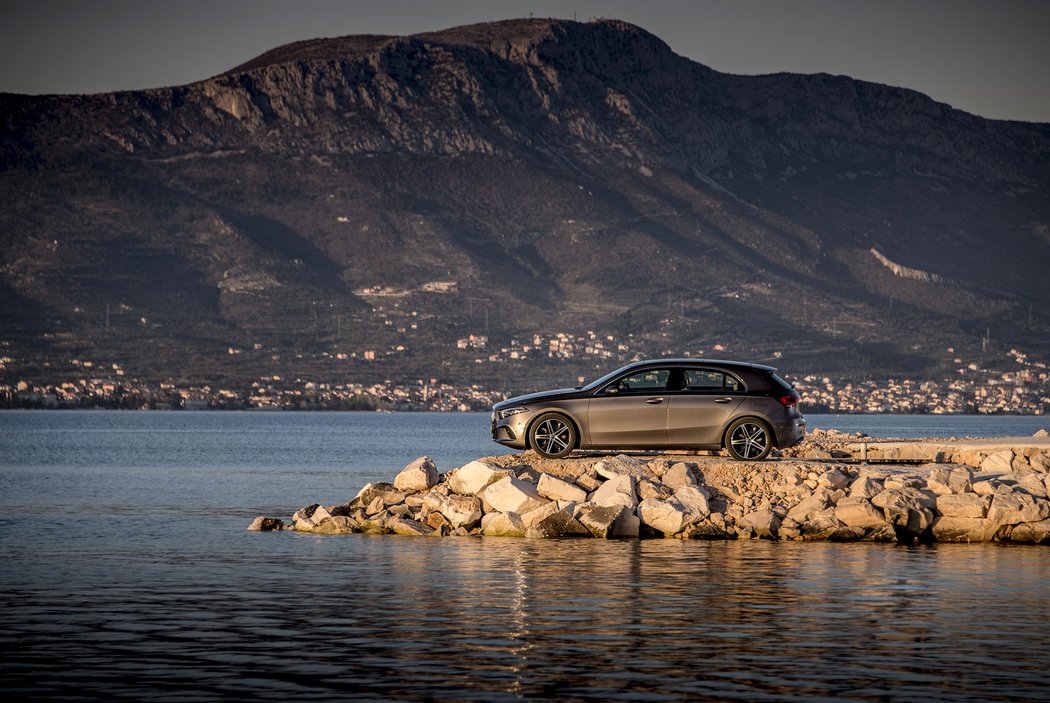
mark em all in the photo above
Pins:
pixel 510 431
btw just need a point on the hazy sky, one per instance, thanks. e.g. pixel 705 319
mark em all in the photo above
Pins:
pixel 989 57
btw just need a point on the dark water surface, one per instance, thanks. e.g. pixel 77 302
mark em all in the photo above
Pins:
pixel 126 574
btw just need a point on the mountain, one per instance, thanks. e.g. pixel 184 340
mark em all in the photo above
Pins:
pixel 340 196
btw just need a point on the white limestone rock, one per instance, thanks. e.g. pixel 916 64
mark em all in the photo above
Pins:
pixel 833 479
pixel 999 462
pixel 619 490
pixel 621 465
pixel 512 495
pixel 1032 532
pixel 601 520
pixel 964 529
pixel 807 507
pixel 420 475
pixel 680 474
pixel 411 528
pixel 471 478
pixel 695 500
pixel 969 505
pixel 667 516
pixel 266 524
pixel 559 524
pixel 1018 507
pixel 761 524
pixel 1034 484
pixel 865 487
pixel 556 489
pixel 653 489
pixel 857 511
pixel 502 525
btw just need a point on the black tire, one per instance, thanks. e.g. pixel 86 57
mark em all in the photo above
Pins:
pixel 552 436
pixel 749 439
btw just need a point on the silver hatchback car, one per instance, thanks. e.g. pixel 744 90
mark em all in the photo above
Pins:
pixel 662 404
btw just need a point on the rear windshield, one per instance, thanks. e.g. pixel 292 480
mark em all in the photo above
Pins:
pixel 780 382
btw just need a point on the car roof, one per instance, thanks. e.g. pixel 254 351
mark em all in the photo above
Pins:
pixel 696 361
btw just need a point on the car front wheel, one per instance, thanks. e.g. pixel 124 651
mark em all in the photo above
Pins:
pixel 749 439
pixel 552 436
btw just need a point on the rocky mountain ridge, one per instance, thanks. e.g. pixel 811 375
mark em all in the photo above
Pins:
pixel 565 176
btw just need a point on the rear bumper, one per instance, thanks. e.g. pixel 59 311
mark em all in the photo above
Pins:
pixel 791 432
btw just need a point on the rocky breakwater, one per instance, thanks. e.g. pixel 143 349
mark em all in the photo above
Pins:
pixel 691 498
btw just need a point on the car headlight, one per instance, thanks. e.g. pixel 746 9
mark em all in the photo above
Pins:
pixel 501 414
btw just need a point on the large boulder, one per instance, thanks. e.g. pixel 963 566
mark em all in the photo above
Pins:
pixel 471 478
pixel 857 511
pixel 337 525
pixel 909 510
pixel 963 505
pixel 680 474
pixel 411 528
pixel 420 475
pixel 1033 484
pixel 559 523
pixel 1032 532
pixel 999 462
pixel 1017 507
pixel 760 524
pixel 810 505
pixel 623 465
pixel 694 499
pixel 653 489
pixel 601 520
pixel 618 490
pixel 389 494
pixel 937 481
pixel 531 517
pixel 963 529
pixel 820 525
pixel 512 495
pixel 461 511
pixel 456 510
pixel 502 525
pixel 667 516
pixel 266 524
pixel 865 487
pixel 556 489
pixel 960 480
pixel 833 479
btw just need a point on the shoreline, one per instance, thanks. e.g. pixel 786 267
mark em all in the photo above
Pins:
pixel 977 490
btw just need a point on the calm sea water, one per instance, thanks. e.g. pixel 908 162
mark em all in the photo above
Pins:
pixel 126 573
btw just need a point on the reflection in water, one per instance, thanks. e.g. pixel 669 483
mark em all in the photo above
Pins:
pixel 275 616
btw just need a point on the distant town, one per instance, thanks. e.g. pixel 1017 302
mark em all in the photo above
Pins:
pixel 1024 389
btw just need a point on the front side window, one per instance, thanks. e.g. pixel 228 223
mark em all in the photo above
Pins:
pixel 650 381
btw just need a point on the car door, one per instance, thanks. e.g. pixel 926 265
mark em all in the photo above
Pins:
pixel 697 413
pixel 631 412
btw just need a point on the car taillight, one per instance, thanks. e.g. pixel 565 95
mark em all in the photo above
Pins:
pixel 788 400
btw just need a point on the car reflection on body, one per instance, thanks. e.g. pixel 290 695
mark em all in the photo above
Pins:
pixel 661 404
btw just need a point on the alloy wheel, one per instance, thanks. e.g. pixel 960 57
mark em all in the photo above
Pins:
pixel 552 436
pixel 750 440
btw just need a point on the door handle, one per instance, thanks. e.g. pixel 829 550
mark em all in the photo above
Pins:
pixel 654 401
pixel 722 400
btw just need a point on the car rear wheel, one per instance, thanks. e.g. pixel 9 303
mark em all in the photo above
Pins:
pixel 552 436
pixel 749 439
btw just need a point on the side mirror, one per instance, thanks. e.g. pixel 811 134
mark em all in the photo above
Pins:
pixel 612 390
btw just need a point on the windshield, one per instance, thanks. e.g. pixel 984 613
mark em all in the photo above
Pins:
pixel 603 380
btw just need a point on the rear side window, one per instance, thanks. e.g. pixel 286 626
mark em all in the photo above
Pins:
pixel 701 380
